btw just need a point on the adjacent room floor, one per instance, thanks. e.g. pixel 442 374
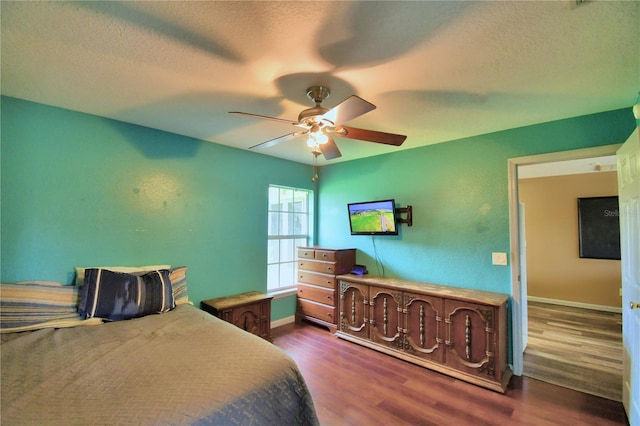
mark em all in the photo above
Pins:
pixel 577 348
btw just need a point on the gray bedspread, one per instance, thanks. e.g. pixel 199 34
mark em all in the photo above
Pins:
pixel 180 367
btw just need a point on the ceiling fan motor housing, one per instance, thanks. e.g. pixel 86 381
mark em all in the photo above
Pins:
pixel 311 116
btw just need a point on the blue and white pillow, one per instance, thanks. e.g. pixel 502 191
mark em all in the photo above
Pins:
pixel 117 296
pixel 127 269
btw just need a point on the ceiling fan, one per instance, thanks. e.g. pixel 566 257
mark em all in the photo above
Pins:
pixel 320 124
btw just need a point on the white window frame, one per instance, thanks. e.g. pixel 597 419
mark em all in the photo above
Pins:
pixel 283 237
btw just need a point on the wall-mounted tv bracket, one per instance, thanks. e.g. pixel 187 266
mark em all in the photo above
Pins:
pixel 409 212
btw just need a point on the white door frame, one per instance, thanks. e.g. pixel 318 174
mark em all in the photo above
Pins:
pixel 517 313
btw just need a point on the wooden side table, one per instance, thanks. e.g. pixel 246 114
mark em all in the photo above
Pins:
pixel 249 311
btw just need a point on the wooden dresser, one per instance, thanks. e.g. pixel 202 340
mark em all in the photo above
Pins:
pixel 317 283
pixel 455 331
pixel 250 311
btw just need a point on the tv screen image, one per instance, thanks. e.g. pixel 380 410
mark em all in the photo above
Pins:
pixel 373 218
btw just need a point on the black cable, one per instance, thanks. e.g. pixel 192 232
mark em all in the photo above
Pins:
pixel 377 258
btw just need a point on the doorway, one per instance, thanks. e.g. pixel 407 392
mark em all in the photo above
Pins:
pixel 572 301
pixel 519 311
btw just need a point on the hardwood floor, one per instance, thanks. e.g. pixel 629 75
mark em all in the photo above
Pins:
pixel 576 348
pixel 353 385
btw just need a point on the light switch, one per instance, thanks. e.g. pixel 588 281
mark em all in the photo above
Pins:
pixel 499 258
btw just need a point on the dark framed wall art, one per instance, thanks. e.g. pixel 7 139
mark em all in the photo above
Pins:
pixel 599 227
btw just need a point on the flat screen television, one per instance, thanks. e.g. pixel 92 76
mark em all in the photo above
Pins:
pixel 373 218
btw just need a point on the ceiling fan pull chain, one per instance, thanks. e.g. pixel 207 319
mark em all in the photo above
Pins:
pixel 315 166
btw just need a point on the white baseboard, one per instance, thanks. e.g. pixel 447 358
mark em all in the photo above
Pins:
pixel 283 321
pixel 575 304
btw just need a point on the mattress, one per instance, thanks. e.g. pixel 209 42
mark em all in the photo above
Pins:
pixel 180 367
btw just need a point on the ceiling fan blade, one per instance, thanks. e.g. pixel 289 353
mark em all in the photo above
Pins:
pixel 354 106
pixel 265 117
pixel 277 140
pixel 330 149
pixel 370 135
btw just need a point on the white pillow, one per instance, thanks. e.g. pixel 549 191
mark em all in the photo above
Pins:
pixel 125 269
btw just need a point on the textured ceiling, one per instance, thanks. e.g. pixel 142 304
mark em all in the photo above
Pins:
pixel 437 71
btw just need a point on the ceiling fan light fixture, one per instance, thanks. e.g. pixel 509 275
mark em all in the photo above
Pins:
pixel 320 137
pixel 317 136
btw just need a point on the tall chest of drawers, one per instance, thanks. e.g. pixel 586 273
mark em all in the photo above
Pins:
pixel 317 284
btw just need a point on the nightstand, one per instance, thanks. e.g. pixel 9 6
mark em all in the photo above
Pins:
pixel 249 311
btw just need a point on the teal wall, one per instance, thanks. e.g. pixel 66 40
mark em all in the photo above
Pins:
pixel 80 190
pixel 459 194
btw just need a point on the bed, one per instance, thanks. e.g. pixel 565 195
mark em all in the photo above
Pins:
pixel 182 366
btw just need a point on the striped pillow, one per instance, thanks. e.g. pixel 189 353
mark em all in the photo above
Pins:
pixel 118 296
pixel 127 269
pixel 178 278
pixel 26 305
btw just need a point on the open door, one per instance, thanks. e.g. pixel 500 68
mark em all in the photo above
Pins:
pixel 629 208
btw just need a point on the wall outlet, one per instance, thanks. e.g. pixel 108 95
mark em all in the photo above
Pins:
pixel 499 258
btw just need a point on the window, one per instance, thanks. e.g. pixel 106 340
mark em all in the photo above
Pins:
pixel 290 225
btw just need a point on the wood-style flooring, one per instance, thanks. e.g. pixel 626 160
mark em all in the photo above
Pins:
pixel 354 385
pixel 577 348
